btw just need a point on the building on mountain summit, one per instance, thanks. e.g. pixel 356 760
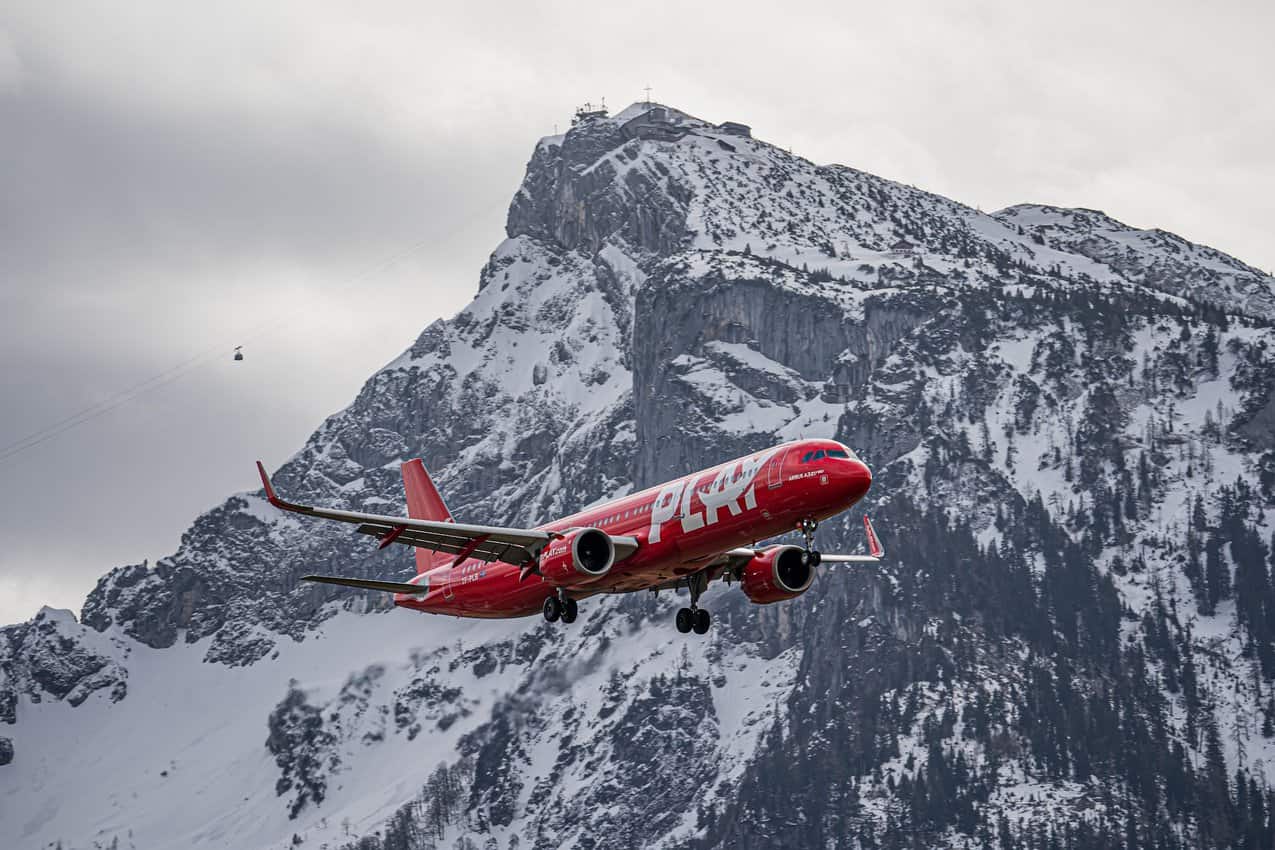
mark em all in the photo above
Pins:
pixel 655 123
pixel 589 112
pixel 734 128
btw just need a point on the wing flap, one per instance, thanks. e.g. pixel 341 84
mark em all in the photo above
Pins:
pixel 452 544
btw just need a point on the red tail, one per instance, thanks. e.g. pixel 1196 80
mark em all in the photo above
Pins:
pixel 424 502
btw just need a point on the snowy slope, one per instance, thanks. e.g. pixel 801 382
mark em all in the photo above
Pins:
pixel 192 732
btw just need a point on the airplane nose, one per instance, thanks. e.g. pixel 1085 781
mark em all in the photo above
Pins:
pixel 858 480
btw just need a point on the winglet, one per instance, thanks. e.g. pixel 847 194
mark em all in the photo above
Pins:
pixel 874 545
pixel 265 482
pixel 273 497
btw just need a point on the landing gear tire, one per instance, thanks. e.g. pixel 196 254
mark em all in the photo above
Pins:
pixel 569 611
pixel 552 609
pixel 810 556
pixel 702 621
pixel 685 620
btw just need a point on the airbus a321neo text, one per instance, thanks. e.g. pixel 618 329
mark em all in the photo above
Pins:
pixel 685 533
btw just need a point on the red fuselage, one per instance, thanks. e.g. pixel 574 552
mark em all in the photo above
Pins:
pixel 680 527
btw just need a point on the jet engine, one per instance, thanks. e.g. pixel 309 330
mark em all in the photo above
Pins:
pixel 579 557
pixel 776 574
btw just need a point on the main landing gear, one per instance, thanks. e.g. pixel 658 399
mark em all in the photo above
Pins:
pixel 810 556
pixel 694 618
pixel 560 607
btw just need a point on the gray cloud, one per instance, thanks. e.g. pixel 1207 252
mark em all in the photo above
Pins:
pixel 174 175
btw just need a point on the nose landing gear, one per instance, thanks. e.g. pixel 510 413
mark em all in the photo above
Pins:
pixel 810 556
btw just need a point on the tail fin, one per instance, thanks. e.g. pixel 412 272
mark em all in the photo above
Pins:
pixel 424 502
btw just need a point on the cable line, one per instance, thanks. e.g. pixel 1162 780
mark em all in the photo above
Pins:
pixel 193 363
pixel 102 408
pixel 72 420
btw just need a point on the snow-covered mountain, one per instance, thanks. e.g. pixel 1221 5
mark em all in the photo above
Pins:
pixel 1072 424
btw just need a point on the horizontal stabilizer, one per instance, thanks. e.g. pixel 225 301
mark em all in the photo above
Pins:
pixel 368 584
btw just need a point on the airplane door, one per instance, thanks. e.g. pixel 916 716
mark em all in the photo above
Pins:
pixel 775 471
pixel 448 587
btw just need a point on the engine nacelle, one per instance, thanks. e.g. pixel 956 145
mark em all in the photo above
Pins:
pixel 776 574
pixel 580 557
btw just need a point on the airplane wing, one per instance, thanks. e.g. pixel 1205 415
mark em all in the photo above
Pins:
pixel 514 546
pixel 847 559
pixel 874 548
pixel 737 558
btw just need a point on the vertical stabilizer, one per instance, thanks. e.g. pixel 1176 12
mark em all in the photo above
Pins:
pixel 424 502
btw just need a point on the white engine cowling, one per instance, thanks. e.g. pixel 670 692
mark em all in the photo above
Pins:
pixel 582 556
pixel 777 574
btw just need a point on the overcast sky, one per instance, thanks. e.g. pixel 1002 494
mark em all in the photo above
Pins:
pixel 318 182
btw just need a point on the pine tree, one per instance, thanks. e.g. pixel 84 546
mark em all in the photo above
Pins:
pixel 1217 575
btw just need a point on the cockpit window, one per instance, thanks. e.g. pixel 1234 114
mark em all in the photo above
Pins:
pixel 818 455
pixel 841 453
pixel 807 456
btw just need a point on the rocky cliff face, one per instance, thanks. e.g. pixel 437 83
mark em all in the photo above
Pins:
pixel 1073 640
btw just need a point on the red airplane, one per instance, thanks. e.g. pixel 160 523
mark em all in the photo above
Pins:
pixel 687 532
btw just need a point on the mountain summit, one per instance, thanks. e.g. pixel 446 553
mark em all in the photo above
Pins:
pixel 1072 423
